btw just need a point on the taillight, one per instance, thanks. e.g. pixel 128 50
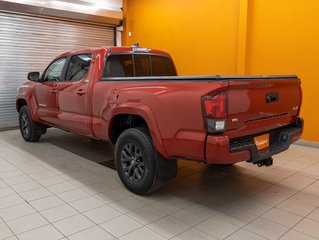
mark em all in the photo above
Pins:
pixel 301 96
pixel 215 106
pixel 215 111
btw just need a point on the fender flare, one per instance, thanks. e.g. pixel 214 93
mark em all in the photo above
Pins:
pixel 146 113
pixel 31 104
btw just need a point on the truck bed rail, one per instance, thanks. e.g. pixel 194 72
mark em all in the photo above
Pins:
pixel 199 78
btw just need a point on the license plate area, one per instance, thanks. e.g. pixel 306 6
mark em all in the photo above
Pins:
pixel 262 141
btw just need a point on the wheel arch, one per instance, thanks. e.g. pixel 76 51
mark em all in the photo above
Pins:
pixel 127 117
pixel 20 102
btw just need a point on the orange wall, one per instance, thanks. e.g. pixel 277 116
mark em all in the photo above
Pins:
pixel 202 38
pixel 283 37
pixel 205 37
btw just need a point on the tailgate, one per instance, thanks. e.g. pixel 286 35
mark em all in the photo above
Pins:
pixel 262 103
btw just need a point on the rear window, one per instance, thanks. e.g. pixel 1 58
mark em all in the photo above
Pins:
pixel 119 66
pixel 162 66
pixel 142 65
pixel 138 65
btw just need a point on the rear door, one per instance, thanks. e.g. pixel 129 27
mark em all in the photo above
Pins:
pixel 73 96
pixel 266 101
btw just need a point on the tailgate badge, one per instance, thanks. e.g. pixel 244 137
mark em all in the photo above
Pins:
pixel 295 108
pixel 234 120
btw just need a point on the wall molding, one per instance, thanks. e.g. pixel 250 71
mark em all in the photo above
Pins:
pixel 307 143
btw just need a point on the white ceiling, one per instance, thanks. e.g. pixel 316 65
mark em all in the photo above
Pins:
pixel 114 5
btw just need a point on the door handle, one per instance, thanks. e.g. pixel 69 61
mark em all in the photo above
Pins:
pixel 272 97
pixel 80 92
pixel 54 91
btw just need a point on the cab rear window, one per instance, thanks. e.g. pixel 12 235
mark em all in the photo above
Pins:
pixel 138 65
pixel 162 66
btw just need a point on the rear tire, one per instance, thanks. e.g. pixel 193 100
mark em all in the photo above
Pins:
pixel 135 160
pixel 30 130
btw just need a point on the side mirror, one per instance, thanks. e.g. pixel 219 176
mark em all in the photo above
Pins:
pixel 34 76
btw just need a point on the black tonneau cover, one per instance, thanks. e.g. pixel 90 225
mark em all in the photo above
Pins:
pixel 199 78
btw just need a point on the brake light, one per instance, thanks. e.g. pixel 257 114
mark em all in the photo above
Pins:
pixel 215 112
pixel 215 106
pixel 301 98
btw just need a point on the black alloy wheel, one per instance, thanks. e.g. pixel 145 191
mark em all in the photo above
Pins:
pixel 132 162
pixel 135 160
pixel 30 130
pixel 25 125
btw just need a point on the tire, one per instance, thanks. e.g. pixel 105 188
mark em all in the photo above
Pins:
pixel 30 130
pixel 135 160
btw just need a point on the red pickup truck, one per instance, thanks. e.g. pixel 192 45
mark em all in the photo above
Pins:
pixel 133 98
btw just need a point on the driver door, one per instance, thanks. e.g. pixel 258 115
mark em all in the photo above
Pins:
pixel 46 92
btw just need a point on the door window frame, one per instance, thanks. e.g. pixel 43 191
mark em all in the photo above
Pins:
pixel 62 73
pixel 67 63
pixel 65 67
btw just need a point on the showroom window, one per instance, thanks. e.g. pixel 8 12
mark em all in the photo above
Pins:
pixel 54 71
pixel 78 67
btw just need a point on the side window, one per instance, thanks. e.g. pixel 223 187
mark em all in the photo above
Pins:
pixel 162 66
pixel 119 66
pixel 54 71
pixel 78 67
pixel 142 65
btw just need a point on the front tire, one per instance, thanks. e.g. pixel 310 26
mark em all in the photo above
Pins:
pixel 135 160
pixel 30 130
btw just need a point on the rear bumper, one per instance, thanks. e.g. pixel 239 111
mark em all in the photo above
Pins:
pixel 222 150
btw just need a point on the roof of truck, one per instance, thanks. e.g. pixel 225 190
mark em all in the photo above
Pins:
pixel 114 49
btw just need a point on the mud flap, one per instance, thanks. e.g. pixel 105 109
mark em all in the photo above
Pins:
pixel 166 169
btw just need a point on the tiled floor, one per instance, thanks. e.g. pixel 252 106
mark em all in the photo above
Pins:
pixel 54 189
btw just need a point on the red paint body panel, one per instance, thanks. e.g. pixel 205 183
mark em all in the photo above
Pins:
pixel 172 109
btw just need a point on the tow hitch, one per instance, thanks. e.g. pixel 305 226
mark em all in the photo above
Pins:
pixel 265 162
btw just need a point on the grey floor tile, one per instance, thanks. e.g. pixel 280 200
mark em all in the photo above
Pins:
pixel 282 217
pixel 243 234
pixel 146 215
pixel 86 204
pixel 5 232
pixel 73 195
pixel 203 202
pixel 298 208
pixel 192 234
pixel 47 232
pixel 308 227
pixel 102 214
pixel 120 226
pixel 27 223
pixel 95 233
pixel 9 201
pixel 46 202
pixel 217 227
pixel 58 213
pixel 266 228
pixel 73 224
pixel 294 235
pixel 16 211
